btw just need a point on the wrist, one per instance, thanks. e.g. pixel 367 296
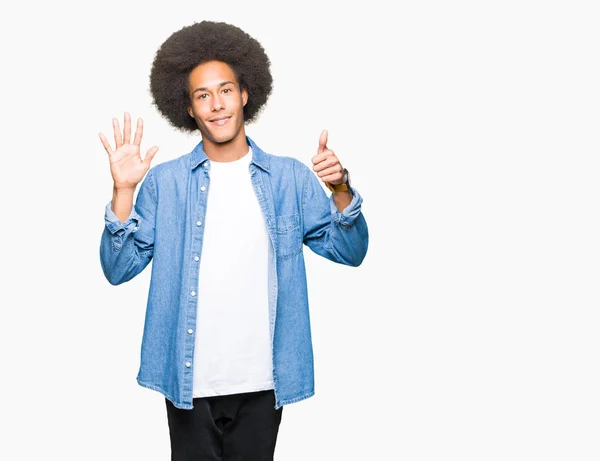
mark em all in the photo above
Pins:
pixel 123 189
pixel 344 186
pixel 123 194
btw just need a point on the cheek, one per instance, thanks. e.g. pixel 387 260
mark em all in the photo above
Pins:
pixel 197 110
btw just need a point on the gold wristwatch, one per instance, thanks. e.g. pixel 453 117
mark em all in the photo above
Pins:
pixel 344 186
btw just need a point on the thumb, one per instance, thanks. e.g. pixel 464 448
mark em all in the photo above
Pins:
pixel 150 155
pixel 322 141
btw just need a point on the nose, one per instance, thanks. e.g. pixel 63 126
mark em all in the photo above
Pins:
pixel 217 103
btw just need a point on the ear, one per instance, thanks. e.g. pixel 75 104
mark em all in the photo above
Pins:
pixel 244 96
pixel 190 111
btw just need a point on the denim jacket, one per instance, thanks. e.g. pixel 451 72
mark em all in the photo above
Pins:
pixel 166 226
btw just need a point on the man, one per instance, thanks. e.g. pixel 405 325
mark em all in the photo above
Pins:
pixel 227 334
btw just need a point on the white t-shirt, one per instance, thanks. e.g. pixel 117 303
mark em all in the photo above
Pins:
pixel 232 346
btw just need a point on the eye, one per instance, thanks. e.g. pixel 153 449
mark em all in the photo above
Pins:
pixel 202 96
pixel 226 90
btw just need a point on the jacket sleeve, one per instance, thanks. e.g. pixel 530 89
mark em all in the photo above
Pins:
pixel 127 247
pixel 341 237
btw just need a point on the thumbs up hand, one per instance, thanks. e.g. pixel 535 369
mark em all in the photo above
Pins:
pixel 326 164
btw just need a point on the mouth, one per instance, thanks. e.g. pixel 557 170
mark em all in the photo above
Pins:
pixel 220 121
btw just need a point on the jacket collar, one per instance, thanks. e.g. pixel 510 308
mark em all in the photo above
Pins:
pixel 259 158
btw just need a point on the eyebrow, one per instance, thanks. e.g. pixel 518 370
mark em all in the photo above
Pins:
pixel 203 88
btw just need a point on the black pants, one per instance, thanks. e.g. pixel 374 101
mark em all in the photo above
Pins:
pixel 236 427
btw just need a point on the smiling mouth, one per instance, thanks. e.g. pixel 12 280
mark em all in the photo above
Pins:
pixel 220 121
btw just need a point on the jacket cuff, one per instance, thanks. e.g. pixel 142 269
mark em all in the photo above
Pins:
pixel 114 225
pixel 350 213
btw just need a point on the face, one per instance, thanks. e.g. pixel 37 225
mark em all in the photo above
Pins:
pixel 216 102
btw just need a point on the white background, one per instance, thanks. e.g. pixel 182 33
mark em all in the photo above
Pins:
pixel 470 332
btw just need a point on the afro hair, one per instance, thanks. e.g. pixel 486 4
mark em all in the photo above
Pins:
pixel 198 43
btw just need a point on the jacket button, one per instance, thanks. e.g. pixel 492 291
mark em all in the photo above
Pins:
pixel 188 364
pixel 196 258
pixel 193 293
pixel 203 188
pixel 190 331
pixel 198 223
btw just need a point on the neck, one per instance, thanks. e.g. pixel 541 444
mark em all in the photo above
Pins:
pixel 229 151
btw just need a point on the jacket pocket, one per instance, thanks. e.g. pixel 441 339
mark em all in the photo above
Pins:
pixel 289 237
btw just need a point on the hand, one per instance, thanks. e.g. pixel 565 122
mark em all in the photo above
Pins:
pixel 326 164
pixel 126 165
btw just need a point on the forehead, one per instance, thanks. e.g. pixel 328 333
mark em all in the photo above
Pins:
pixel 211 73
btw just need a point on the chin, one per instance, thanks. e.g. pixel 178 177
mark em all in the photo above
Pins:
pixel 224 138
pixel 217 138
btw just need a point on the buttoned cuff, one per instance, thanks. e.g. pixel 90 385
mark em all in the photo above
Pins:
pixel 117 227
pixel 350 213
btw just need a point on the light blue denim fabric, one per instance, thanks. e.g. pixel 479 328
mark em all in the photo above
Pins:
pixel 166 226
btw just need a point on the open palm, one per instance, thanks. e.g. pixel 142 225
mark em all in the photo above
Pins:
pixel 126 164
